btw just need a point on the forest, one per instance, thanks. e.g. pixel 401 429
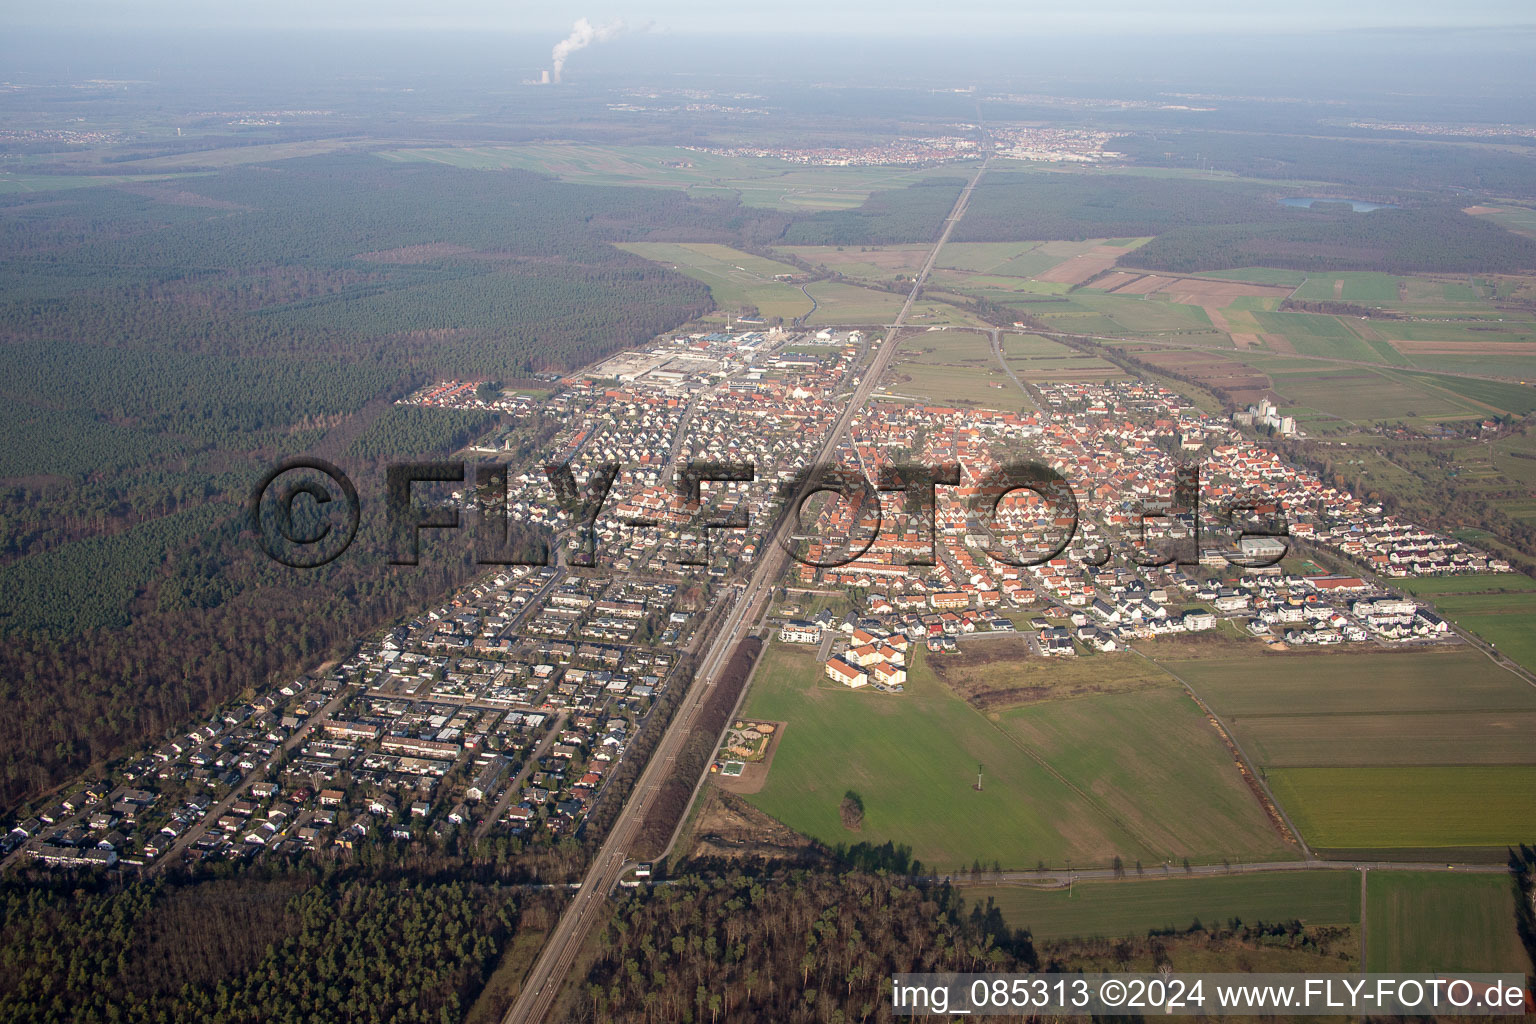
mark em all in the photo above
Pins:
pixel 162 344
pixel 1432 238
pixel 1365 163
pixel 287 945
pixel 912 214
pixel 1203 225
pixel 160 348
pixel 783 944
pixel 1010 206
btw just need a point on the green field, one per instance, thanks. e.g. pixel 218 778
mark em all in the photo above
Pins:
pixel 951 368
pixel 1146 316
pixel 952 386
pixel 1383 738
pixel 869 264
pixel 1442 922
pixel 1433 587
pixel 1063 780
pixel 12 183
pixel 1503 620
pixel 1155 762
pixel 736 279
pixel 1349 287
pixel 1383 808
pixel 739 280
pixel 1498 609
pixel 912 757
pixel 1314 334
pixel 1487 395
pixel 1134 908
pixel 1258 275
pixel 1359 394
pixel 1521 219
pixel 764 182
pixel 1384 751
pixel 1383 392
pixel 1002 259
pixel 1446 680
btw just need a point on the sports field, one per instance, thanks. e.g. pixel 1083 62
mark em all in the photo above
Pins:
pixel 1417 749
pixel 1135 907
pixel 1442 922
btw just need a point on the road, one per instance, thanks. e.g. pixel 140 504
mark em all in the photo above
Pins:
pixel 564 944
pixel 803 317
pixel 514 788
pixel 997 351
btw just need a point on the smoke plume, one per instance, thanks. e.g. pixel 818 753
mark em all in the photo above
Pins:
pixel 584 34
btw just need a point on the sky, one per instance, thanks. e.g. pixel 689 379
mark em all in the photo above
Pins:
pixel 718 17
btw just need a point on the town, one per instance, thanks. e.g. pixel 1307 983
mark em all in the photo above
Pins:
pixel 506 710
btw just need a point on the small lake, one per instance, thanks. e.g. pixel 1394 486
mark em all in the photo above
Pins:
pixel 1358 205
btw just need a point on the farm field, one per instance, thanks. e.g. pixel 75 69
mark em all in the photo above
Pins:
pixel 1002 259
pixel 736 279
pixel 1521 219
pixel 1373 393
pixel 1441 922
pixel 764 182
pixel 1384 808
pixel 1139 315
pixel 912 758
pixel 994 673
pixel 1360 394
pixel 1410 750
pixel 1435 587
pixel 1382 738
pixel 1449 680
pixel 1134 908
pixel 1360 287
pixel 1315 334
pixel 1260 275
pixel 1008 263
pixel 1000 271
pixel 1040 359
pixel 739 280
pixel 12 183
pixel 838 303
pixel 868 264
pixel 1153 760
pixel 1502 619
pixel 950 368
pixel 953 386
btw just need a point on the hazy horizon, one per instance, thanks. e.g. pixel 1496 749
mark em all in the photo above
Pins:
pixel 896 18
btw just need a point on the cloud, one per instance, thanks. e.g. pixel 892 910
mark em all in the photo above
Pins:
pixel 584 34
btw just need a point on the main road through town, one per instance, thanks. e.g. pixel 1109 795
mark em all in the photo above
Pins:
pixel 586 911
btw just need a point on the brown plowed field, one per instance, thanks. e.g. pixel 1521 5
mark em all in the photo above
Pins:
pixel 1080 268
pixel 1239 382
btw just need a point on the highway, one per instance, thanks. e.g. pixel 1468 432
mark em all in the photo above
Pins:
pixel 586 910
